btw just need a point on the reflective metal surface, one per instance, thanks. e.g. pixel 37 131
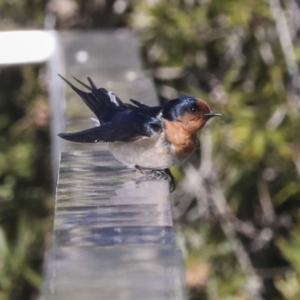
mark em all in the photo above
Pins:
pixel 113 235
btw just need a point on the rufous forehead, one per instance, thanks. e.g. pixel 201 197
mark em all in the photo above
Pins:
pixel 202 105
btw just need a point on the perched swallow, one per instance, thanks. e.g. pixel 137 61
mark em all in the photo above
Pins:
pixel 149 139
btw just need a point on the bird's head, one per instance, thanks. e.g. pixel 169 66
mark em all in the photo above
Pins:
pixel 192 113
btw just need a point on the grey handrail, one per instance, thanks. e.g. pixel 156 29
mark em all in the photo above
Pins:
pixel 113 235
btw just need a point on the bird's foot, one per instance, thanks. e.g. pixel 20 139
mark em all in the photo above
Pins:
pixel 172 180
pixel 150 174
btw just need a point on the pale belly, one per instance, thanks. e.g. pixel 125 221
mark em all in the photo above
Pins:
pixel 153 153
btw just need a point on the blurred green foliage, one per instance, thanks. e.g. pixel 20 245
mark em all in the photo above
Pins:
pixel 25 174
pixel 25 181
pixel 229 54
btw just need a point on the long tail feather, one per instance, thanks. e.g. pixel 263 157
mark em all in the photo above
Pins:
pixel 92 84
pixel 88 98
pixel 83 84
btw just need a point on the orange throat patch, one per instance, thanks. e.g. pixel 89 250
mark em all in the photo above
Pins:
pixel 182 138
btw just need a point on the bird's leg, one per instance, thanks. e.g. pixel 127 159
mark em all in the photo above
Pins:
pixel 156 175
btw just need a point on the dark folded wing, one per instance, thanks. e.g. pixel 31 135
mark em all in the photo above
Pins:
pixel 119 121
pixel 102 133
pixel 105 104
pixel 139 104
pixel 149 111
pixel 125 126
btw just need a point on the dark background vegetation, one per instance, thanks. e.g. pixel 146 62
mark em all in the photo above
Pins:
pixel 237 203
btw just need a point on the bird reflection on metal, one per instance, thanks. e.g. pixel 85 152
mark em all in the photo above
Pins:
pixel 149 139
pixel 136 213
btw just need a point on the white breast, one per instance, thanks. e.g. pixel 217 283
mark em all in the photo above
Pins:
pixel 153 153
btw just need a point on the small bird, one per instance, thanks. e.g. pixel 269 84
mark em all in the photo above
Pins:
pixel 149 139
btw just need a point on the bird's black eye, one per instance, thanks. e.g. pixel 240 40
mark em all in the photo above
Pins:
pixel 194 108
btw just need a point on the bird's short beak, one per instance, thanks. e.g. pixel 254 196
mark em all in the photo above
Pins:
pixel 213 114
